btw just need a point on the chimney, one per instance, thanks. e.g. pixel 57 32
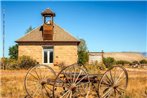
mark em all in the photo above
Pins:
pixel 48 24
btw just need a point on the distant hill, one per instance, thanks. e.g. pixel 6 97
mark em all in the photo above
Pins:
pixel 144 53
pixel 128 56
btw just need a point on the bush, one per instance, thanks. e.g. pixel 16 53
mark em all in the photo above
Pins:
pixel 92 69
pixel 4 62
pixel 122 62
pixel 143 61
pixel 8 63
pixel 12 64
pixel 109 62
pixel 25 62
pixel 135 62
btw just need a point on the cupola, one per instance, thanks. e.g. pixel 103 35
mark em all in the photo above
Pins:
pixel 48 26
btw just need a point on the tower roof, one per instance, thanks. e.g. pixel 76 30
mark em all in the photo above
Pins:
pixel 48 12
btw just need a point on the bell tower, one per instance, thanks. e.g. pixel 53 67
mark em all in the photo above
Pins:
pixel 48 26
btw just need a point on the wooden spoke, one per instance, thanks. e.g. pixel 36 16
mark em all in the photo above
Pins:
pixel 78 76
pixel 72 82
pixel 36 91
pixel 118 79
pixel 34 76
pixel 36 81
pixel 108 79
pixel 107 92
pixel 81 79
pixel 37 74
pixel 67 92
pixel 113 82
pixel 46 91
pixel 40 73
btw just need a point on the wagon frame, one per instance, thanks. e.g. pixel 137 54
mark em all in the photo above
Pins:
pixel 74 81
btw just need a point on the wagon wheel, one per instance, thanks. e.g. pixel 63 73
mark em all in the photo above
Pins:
pixel 38 82
pixel 113 83
pixel 72 82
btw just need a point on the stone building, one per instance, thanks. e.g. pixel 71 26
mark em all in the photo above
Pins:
pixel 49 44
pixel 95 57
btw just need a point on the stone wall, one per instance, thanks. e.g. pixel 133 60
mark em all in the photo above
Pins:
pixel 66 54
pixel 33 51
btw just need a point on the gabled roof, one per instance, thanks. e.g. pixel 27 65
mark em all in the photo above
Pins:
pixel 59 35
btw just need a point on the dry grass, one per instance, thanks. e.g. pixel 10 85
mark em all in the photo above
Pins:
pixel 137 83
pixel 125 56
pixel 12 83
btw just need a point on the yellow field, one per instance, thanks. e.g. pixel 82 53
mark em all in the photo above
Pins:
pixel 137 83
pixel 12 83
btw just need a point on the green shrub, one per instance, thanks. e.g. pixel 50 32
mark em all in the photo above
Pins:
pixel 143 61
pixel 135 62
pixel 25 62
pixel 12 64
pixel 122 62
pixel 109 62
pixel 82 52
pixel 8 63
pixel 82 57
pixel 4 63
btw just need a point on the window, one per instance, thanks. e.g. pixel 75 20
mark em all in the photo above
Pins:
pixel 47 55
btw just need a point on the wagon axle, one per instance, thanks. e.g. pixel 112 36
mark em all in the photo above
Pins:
pixel 73 87
pixel 43 82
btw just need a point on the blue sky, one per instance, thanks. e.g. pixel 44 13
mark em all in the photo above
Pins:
pixel 109 26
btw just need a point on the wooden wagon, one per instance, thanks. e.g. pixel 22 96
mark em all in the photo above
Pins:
pixel 74 81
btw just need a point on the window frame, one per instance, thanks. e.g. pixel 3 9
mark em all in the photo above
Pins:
pixel 50 49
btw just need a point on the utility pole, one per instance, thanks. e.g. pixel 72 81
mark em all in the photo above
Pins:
pixel 3 38
pixel 102 56
pixel 3 32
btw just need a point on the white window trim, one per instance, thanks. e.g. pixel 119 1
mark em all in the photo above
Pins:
pixel 48 52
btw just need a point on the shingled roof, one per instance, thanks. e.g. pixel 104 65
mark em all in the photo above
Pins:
pixel 59 35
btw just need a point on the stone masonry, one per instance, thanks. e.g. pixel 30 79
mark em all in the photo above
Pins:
pixel 66 54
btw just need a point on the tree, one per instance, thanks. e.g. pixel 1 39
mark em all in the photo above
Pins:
pixel 29 29
pixel 82 52
pixel 13 51
pixel 143 61
pixel 109 61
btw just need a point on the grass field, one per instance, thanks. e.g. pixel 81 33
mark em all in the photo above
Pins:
pixel 12 83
